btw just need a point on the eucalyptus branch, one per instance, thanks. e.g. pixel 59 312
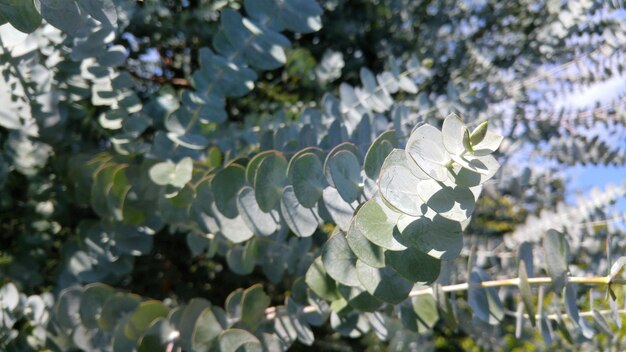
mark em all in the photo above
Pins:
pixel 566 316
pixel 273 312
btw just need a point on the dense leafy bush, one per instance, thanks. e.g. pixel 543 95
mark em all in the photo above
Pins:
pixel 270 174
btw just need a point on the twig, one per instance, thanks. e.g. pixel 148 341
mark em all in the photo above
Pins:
pixel 273 312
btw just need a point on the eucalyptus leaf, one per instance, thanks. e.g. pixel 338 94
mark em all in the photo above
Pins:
pixel 377 152
pixel 454 133
pixel 302 221
pixel 258 221
pixel 377 222
pixel 345 173
pixel 364 249
pixel 488 145
pixel 340 211
pixel 425 307
pixel 454 203
pixel 383 283
pixel 339 261
pixel 142 317
pixel 414 265
pixel 485 302
pixel 526 292
pixel 440 237
pixel 360 299
pixel 320 282
pixel 556 252
pixel 270 178
pixel 237 340
pixel 308 179
pixel 425 149
pixel 225 186
pixel 398 185
pixel 22 14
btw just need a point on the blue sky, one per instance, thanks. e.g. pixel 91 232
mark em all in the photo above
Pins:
pixel 584 178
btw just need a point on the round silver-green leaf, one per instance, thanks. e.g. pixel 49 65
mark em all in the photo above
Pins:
pixel 345 172
pixel 376 222
pixel 307 177
pixel 339 261
pixel 383 283
pixel 270 178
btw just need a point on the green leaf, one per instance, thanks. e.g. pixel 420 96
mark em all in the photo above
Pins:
pixel 261 46
pixel 206 331
pixel 383 283
pixel 526 292
pixel 425 308
pixel 22 14
pixel 237 340
pixel 398 185
pixel 225 185
pixel 571 306
pixel 270 178
pixel 366 251
pixel 242 259
pixel 425 149
pixel 556 252
pixel 339 210
pixel 377 152
pixel 253 304
pixel 320 282
pixel 351 325
pixel 92 302
pixel 235 229
pixel 301 327
pixel 454 203
pixel 485 302
pixel 169 173
pixel 119 341
pixel 189 318
pixel 454 133
pixel 444 306
pixel 464 177
pixel 414 265
pixel 602 323
pixel 489 144
pixel 254 164
pixel 617 268
pixel 308 180
pixel 142 317
pixel 377 222
pixel 302 221
pixel 222 76
pixel 345 146
pixel 525 255
pixel 103 11
pixel 258 221
pixel 484 165
pixel 345 172
pixel 63 14
pixel 117 306
pixel 479 133
pixel 157 336
pixel 360 299
pixel 301 16
pixel 440 238
pixel 339 261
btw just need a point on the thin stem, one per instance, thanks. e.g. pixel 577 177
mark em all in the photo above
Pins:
pixel 557 316
pixel 273 312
